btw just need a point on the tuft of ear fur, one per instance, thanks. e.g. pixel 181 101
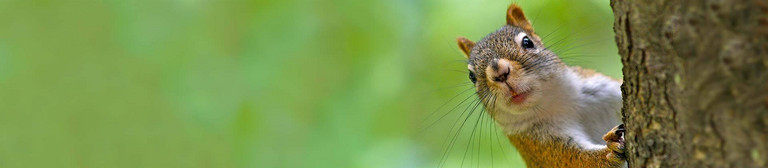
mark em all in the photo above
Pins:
pixel 515 17
pixel 465 45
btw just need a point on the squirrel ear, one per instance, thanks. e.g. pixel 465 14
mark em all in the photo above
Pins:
pixel 465 45
pixel 515 17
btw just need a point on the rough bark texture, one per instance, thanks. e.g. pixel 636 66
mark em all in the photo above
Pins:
pixel 695 82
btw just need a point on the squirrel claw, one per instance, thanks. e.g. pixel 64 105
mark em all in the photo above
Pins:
pixel 619 131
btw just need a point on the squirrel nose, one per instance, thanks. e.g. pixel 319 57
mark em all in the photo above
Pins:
pixel 500 70
pixel 501 77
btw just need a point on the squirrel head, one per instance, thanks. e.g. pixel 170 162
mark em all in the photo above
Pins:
pixel 511 68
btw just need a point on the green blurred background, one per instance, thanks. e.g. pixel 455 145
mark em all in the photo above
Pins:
pixel 280 83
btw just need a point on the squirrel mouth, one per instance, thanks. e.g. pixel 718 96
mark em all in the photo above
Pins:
pixel 518 97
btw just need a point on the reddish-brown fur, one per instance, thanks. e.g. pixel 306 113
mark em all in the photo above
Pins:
pixel 586 73
pixel 550 151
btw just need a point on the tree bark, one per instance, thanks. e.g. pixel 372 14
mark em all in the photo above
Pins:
pixel 695 82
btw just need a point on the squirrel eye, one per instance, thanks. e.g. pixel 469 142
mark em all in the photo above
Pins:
pixel 472 77
pixel 526 42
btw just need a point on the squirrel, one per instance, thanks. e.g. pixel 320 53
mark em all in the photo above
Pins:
pixel 555 115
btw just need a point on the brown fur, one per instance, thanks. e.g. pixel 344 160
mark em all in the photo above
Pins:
pixel 465 45
pixel 587 73
pixel 584 73
pixel 542 150
pixel 549 151
pixel 515 17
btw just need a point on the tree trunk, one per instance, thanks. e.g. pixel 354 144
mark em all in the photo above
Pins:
pixel 695 74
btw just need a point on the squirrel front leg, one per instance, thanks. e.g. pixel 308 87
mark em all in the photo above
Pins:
pixel 613 155
pixel 610 157
pixel 547 151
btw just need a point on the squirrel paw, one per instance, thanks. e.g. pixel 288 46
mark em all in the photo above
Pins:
pixel 615 141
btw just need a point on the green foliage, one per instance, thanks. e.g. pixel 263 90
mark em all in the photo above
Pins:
pixel 275 83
